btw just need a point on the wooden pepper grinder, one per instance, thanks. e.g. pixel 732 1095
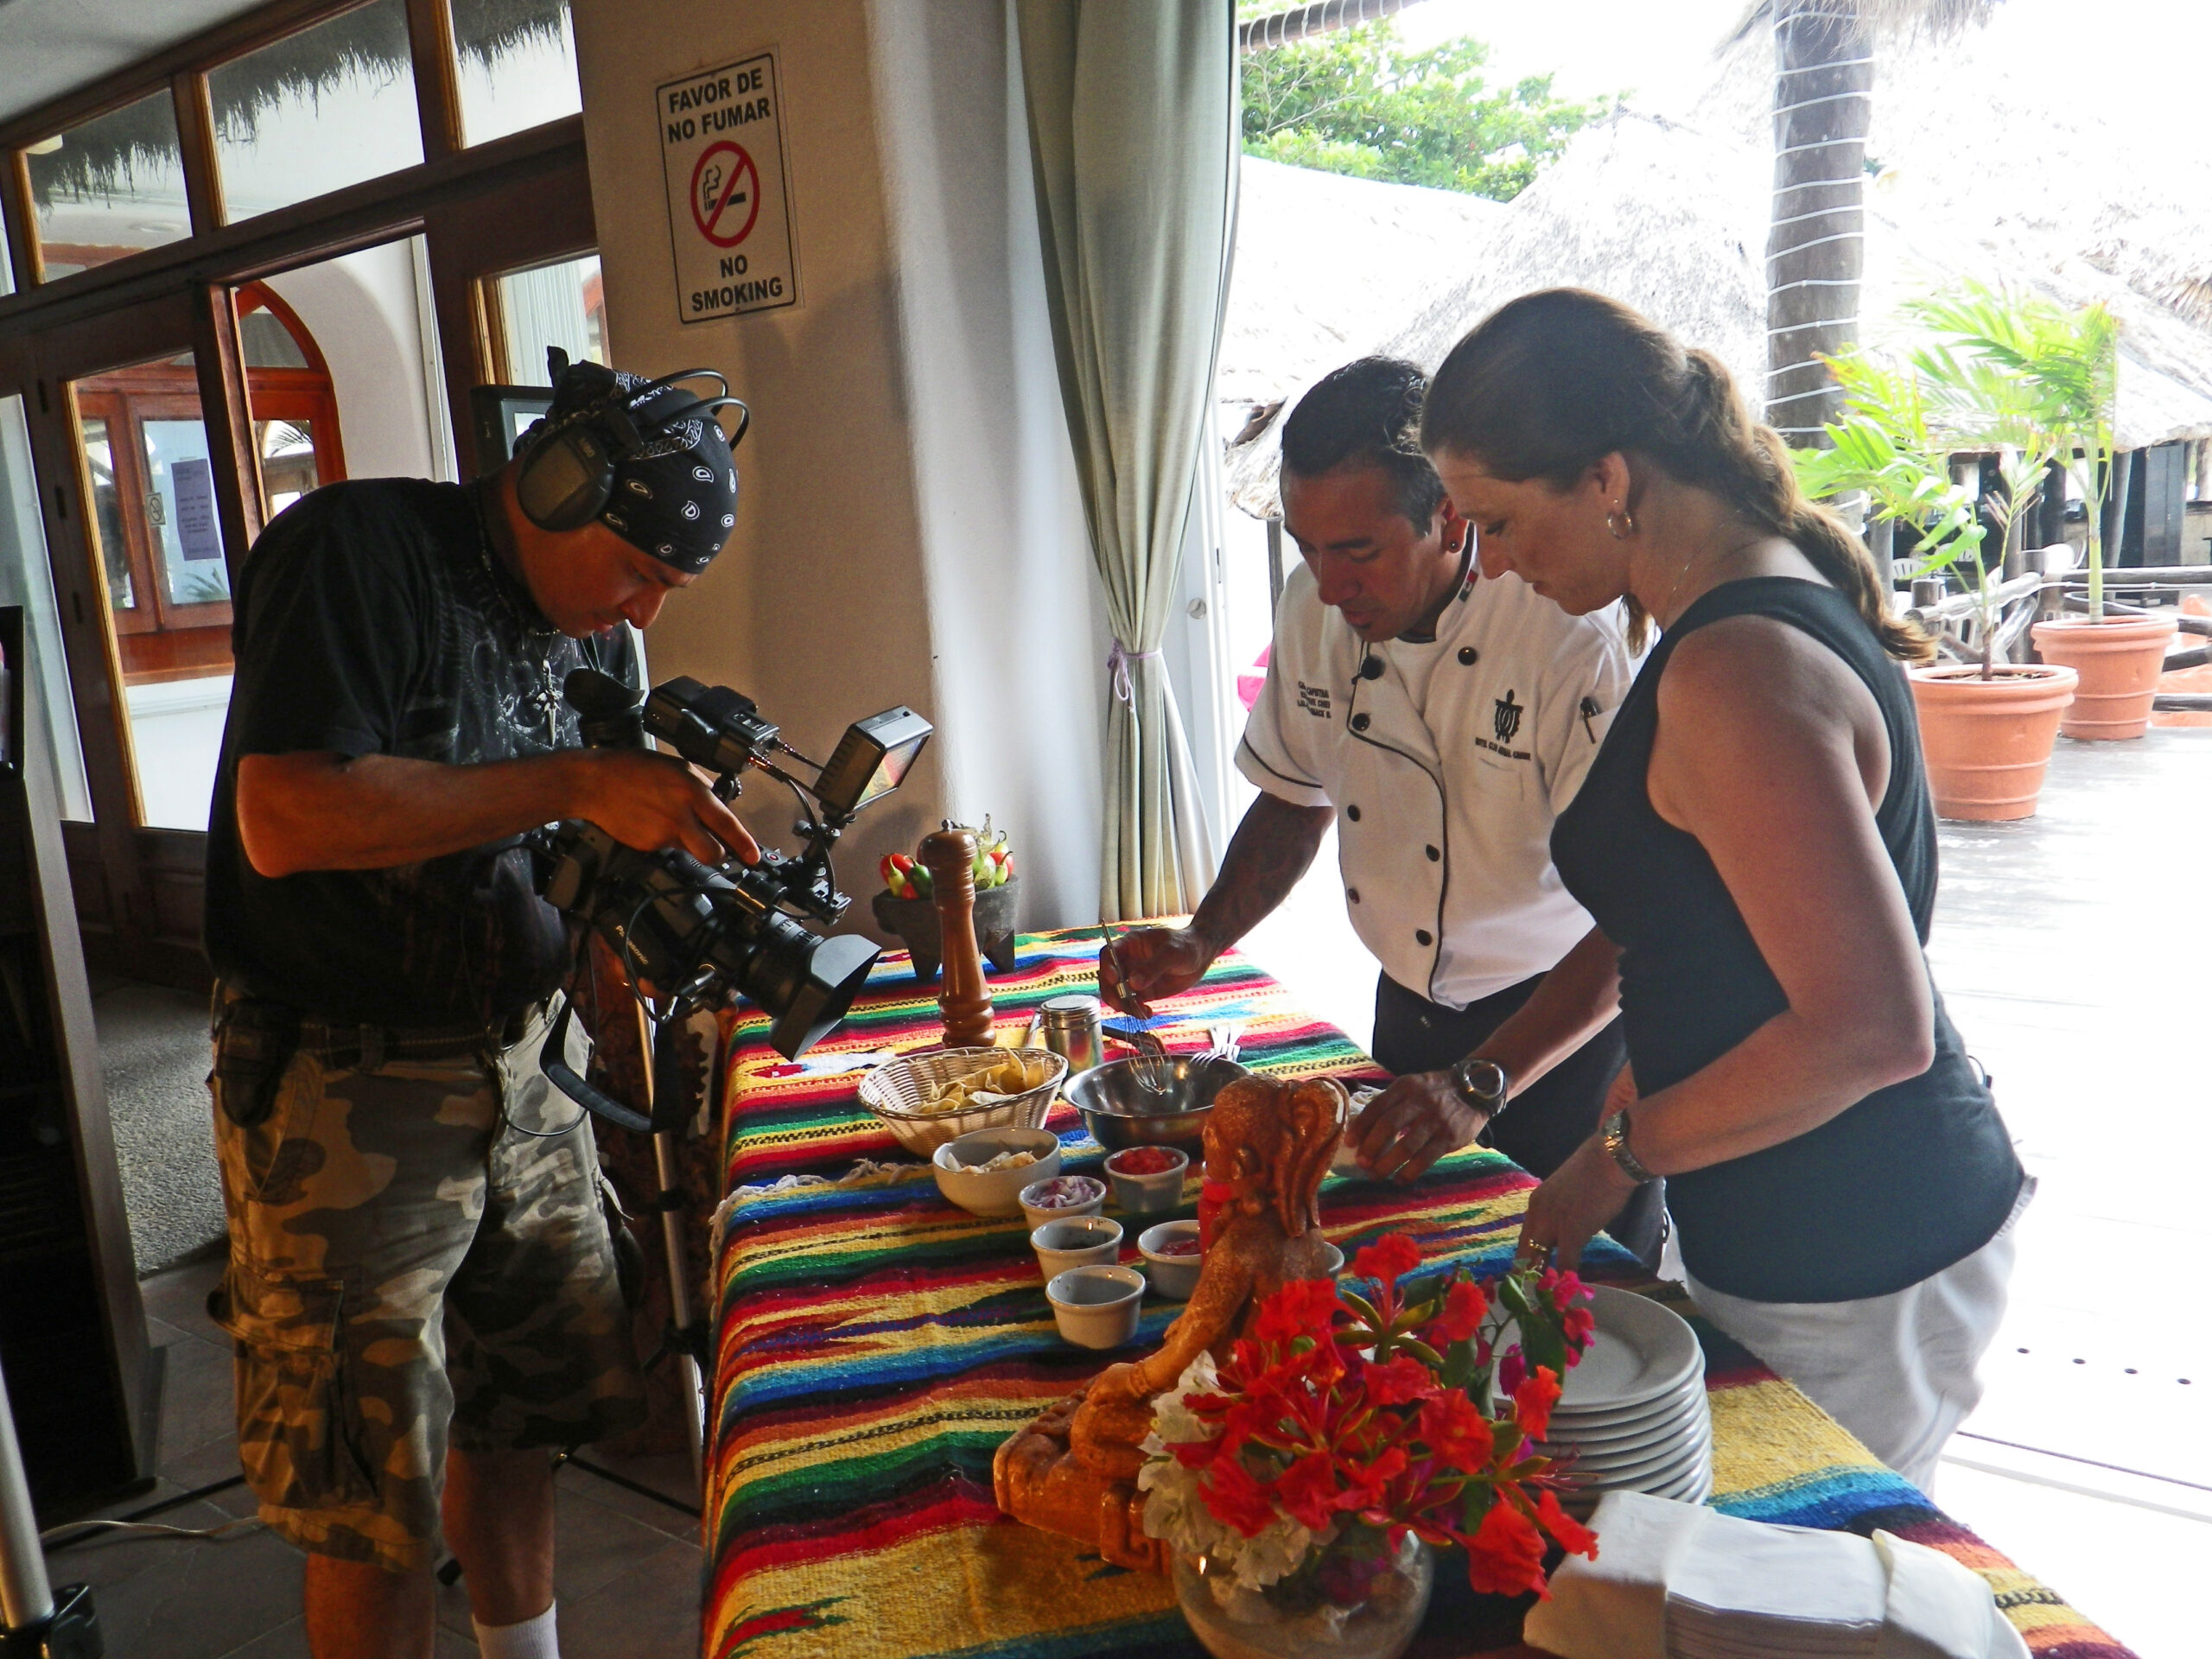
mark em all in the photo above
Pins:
pixel 963 995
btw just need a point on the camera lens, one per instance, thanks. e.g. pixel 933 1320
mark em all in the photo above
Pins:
pixel 806 981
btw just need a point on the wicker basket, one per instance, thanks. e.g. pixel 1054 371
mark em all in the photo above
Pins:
pixel 893 1092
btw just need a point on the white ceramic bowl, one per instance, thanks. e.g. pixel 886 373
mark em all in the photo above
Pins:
pixel 993 1192
pixel 1086 1241
pixel 1149 1195
pixel 1174 1276
pixel 1097 1306
pixel 1091 1204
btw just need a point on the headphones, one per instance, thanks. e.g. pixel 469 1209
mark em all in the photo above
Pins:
pixel 568 469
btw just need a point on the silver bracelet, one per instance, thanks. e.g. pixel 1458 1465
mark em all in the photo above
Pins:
pixel 1616 1137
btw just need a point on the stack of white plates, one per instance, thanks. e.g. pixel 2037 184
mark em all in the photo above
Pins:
pixel 1632 1415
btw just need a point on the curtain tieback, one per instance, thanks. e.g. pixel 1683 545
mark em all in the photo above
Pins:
pixel 1117 664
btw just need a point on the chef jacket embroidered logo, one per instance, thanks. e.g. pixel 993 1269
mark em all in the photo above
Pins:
pixel 1505 718
pixel 1314 700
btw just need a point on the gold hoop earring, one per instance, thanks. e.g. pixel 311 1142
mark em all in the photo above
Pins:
pixel 1620 524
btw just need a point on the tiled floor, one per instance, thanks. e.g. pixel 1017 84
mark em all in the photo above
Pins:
pixel 627 1572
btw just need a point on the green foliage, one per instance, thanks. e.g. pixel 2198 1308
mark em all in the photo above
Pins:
pixel 1885 448
pixel 2033 380
pixel 2018 375
pixel 1356 101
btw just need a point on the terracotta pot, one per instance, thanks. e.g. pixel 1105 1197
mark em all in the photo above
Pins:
pixel 2119 660
pixel 1987 742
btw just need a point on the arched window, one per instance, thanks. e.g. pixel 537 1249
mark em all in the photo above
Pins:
pixel 172 601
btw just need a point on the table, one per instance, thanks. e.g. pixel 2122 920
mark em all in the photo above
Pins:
pixel 874 1344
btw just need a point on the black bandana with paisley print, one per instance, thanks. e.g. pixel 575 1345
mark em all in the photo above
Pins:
pixel 675 497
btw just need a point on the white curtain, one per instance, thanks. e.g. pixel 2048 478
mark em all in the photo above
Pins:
pixel 1133 135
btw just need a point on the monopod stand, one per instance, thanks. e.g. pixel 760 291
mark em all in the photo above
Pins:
pixel 33 1623
pixel 687 1335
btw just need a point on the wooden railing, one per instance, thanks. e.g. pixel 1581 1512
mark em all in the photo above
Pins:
pixel 2039 594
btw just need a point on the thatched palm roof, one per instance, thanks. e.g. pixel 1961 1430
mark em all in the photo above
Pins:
pixel 1638 208
pixel 1324 262
pixel 2009 184
pixel 100 156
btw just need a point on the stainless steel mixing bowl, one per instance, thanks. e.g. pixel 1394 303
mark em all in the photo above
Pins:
pixel 1120 1112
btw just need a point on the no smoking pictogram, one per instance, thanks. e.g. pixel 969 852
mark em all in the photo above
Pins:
pixel 728 177
pixel 724 194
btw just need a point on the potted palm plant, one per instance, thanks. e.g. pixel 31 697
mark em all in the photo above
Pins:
pixel 1987 726
pixel 2054 373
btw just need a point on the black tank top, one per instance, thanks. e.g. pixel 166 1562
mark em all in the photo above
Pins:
pixel 1913 1178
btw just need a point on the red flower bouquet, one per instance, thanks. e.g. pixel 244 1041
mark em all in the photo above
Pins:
pixel 1341 1428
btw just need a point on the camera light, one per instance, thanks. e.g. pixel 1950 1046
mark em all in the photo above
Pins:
pixel 870 759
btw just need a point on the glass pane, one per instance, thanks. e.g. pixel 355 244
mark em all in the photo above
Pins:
pixel 107 513
pixel 154 510
pixel 554 305
pixel 109 187
pixel 517 61
pixel 316 110
pixel 26 579
pixel 180 505
pixel 287 461
pixel 267 343
pixel 7 270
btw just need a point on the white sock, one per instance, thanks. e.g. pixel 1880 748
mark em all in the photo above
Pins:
pixel 531 1639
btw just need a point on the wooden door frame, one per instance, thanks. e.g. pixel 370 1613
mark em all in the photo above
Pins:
pixel 122 928
pixel 511 203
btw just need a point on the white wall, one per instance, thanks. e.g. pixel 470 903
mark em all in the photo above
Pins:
pixel 908 530
pixel 361 310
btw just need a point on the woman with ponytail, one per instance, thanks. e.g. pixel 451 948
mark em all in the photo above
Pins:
pixel 1757 845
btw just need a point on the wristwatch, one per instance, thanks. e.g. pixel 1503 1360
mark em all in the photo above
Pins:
pixel 1616 1137
pixel 1482 1083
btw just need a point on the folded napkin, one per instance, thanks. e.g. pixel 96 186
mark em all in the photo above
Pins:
pixel 1681 1581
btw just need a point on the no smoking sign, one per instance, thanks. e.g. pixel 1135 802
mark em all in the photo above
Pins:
pixel 722 136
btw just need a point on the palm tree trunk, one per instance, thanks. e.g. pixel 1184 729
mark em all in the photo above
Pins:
pixel 1824 103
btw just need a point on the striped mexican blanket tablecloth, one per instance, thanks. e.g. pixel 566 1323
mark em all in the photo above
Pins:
pixel 874 1344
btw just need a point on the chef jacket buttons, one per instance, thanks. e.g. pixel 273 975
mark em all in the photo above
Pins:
pixel 1467 655
pixel 1359 722
pixel 1352 812
pixel 1352 894
pixel 1425 937
pixel 1433 855
pixel 1372 669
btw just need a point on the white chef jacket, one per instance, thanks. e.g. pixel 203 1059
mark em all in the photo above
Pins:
pixel 1446 764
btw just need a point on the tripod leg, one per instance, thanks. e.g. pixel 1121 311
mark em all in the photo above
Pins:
pixel 667 1163
pixel 26 1594
pixel 32 1624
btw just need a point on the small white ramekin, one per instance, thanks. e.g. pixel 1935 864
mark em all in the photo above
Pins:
pixel 1097 1306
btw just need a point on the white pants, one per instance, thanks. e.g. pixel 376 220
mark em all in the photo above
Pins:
pixel 1897 1370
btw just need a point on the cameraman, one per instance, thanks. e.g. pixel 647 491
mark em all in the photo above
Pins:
pixel 422 1285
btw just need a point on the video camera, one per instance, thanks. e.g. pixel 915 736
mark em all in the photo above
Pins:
pixel 691 930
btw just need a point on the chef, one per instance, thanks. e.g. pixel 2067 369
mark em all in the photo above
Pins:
pixel 1440 718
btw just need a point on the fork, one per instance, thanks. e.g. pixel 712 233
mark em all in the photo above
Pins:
pixel 1221 1041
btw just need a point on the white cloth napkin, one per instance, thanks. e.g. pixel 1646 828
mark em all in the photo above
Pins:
pixel 1681 1581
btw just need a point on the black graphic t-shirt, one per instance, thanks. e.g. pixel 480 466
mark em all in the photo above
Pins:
pixel 372 619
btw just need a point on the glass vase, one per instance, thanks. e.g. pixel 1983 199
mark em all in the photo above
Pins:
pixel 1346 1602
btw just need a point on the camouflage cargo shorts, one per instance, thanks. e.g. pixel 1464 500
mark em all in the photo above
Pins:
pixel 419 1258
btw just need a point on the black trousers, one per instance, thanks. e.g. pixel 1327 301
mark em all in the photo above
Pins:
pixel 1547 1121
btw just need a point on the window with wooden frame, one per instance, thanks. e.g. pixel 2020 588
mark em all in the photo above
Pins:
pixel 492 194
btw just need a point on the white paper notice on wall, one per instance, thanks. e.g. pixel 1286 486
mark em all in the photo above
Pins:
pixel 193 482
pixel 729 219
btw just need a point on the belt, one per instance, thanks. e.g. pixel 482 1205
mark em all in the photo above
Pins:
pixel 351 1045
